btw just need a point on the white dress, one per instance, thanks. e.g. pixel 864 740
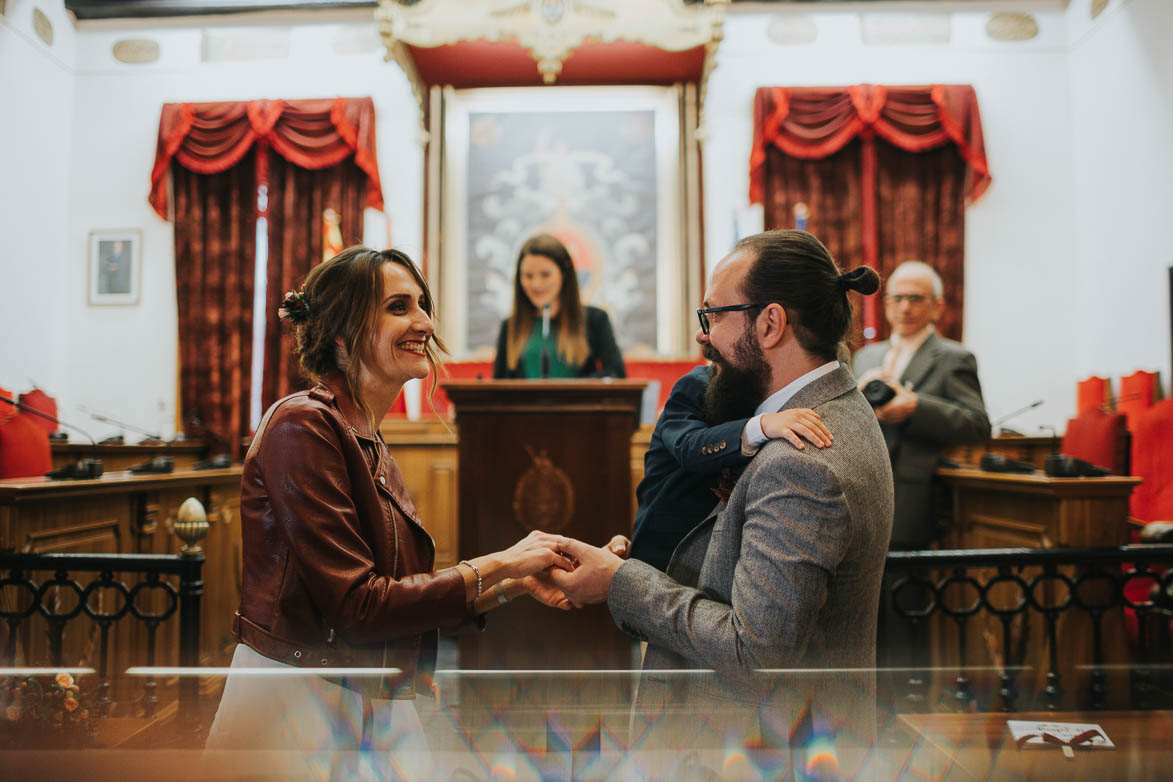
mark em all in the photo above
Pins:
pixel 316 725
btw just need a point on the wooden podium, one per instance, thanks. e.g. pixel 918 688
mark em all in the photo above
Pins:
pixel 553 455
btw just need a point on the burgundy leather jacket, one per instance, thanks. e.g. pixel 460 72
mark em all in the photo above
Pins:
pixel 336 565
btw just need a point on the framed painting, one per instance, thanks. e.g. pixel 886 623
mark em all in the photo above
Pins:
pixel 601 168
pixel 115 267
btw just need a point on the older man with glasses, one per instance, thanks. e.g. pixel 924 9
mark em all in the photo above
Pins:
pixel 937 402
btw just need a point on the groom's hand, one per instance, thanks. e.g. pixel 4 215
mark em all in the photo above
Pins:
pixel 541 588
pixel 590 580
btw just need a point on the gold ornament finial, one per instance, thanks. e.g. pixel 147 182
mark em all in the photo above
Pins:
pixel 191 526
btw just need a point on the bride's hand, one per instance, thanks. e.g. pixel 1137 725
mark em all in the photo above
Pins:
pixel 535 552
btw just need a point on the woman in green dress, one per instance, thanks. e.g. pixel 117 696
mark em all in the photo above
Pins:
pixel 550 333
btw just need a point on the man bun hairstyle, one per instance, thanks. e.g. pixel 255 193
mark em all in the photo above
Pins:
pixel 861 279
pixel 794 269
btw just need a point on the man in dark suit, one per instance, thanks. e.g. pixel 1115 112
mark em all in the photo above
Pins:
pixel 690 458
pixel 938 399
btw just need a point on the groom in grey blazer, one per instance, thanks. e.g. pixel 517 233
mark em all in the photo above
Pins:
pixel 785 573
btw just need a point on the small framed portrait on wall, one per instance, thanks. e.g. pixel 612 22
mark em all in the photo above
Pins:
pixel 115 267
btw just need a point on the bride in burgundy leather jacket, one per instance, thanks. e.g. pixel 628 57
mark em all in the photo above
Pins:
pixel 337 569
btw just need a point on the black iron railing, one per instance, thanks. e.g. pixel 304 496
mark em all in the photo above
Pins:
pixel 932 595
pixel 24 593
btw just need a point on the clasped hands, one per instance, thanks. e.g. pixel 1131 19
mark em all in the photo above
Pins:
pixel 581 574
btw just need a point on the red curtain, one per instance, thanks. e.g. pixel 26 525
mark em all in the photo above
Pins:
pixel 933 161
pixel 920 213
pixel 208 138
pixel 297 199
pixel 215 157
pixel 215 253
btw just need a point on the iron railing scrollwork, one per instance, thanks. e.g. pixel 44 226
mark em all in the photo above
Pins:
pixel 22 597
pixel 1011 584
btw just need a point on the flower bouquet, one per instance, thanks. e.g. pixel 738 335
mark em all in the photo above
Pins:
pixel 46 711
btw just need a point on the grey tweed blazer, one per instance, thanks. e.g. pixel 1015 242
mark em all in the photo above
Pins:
pixel 787 573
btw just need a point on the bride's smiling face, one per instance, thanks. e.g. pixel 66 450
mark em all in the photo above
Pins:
pixel 402 330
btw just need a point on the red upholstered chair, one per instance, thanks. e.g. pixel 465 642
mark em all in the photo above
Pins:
pixel 24 445
pixel 1138 392
pixel 39 400
pixel 1152 460
pixel 664 372
pixel 1093 393
pixel 455 370
pixel 1152 500
pixel 1097 437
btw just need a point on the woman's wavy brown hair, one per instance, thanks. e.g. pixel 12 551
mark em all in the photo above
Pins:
pixel 342 296
pixel 573 348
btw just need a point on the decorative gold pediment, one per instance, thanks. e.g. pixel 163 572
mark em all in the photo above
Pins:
pixel 550 30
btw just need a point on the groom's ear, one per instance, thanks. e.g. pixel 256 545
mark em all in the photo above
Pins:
pixel 771 325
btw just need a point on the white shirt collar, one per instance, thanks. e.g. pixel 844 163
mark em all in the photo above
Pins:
pixel 776 400
pixel 912 342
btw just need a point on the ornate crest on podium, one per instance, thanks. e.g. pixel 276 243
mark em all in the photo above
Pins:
pixel 544 496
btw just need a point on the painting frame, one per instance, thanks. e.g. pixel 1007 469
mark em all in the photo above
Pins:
pixel 114 264
pixel 676 265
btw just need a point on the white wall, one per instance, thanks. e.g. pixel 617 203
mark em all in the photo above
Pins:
pixel 36 92
pixel 131 373
pixel 1122 129
pixel 1019 242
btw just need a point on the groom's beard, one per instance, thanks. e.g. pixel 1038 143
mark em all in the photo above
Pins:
pixel 736 387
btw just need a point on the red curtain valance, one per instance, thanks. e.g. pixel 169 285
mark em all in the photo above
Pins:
pixel 816 122
pixel 208 138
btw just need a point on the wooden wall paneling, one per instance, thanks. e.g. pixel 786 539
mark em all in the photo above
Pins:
pixel 122 513
pixel 221 573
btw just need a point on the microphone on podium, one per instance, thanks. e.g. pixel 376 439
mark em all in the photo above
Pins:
pixel 993 461
pixel 82 469
pixel 1060 465
pixel 998 424
pixel 150 438
pixel 545 361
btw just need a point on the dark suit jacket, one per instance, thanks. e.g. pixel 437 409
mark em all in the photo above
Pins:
pixel 604 360
pixel 681 469
pixel 949 410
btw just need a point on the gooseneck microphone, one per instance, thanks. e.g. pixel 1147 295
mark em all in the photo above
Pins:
pixel 545 360
pixel 151 437
pixel 992 461
pixel 998 424
pixel 82 469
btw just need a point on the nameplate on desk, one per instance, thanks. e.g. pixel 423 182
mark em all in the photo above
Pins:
pixel 1031 734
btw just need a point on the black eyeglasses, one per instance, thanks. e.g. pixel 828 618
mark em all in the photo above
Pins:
pixel 912 298
pixel 703 313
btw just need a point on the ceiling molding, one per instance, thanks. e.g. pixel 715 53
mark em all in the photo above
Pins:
pixel 551 30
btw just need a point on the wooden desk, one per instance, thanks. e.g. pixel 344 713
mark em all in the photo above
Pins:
pixel 1001 510
pixel 979 746
pixel 126 513
pixel 1032 450
pixel 1007 510
pixel 123 457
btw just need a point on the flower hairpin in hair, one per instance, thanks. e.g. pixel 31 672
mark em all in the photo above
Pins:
pixel 294 307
